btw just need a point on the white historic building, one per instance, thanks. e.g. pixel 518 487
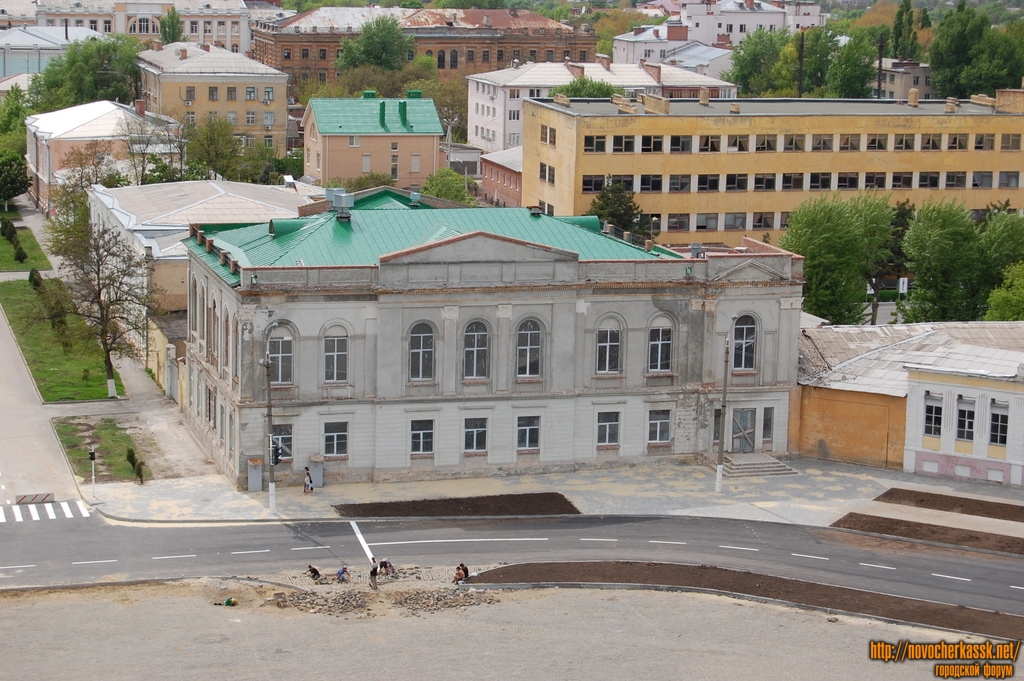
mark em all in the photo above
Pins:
pixel 429 343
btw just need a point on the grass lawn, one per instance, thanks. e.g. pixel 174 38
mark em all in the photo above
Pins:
pixel 73 374
pixel 111 442
pixel 11 213
pixel 36 257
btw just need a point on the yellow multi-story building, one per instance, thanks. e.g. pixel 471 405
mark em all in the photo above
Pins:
pixel 190 82
pixel 720 170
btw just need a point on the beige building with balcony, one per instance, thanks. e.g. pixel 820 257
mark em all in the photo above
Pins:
pixel 899 76
pixel 192 82
pixel 719 171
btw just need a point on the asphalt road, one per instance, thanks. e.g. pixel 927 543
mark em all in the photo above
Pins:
pixel 93 550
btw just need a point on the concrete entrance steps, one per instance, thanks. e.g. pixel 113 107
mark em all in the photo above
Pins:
pixel 751 464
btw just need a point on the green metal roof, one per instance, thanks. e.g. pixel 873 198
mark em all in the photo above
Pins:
pixel 376 116
pixel 387 200
pixel 324 241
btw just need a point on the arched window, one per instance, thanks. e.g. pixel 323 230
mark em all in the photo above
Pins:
pixel 475 364
pixel 193 306
pixel 429 53
pixel 281 350
pixel 201 313
pixel 440 59
pixel 453 60
pixel 528 349
pixel 421 352
pixel 744 340
pixel 336 354
pixel 608 347
pixel 659 346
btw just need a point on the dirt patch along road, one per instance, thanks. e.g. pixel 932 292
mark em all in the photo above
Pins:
pixel 541 503
pixel 951 504
pixel 933 533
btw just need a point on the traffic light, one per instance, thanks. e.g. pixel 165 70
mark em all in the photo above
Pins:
pixel 92 454
pixel 275 455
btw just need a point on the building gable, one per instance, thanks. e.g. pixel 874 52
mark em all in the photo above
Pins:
pixel 477 247
pixel 749 271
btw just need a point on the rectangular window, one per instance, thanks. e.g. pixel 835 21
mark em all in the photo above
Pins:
pixel 678 222
pixel 1010 142
pixel 652 144
pixel 232 117
pixel 268 118
pixel 877 142
pixel 956 141
pixel 650 183
pixel 108 27
pixel 607 428
pixel 583 56
pixel 501 55
pixel 414 166
pixel 250 118
pixel 232 94
pixel 335 358
pixel 305 53
pixel 764 182
pixel 513 114
pixel 933 416
pixel 367 163
pixel 547 135
pixel 928 180
pixel 707 183
pixel 871 180
pixel 792 181
pixel 794 142
pixel 608 351
pixel 623 179
pixel 679 183
pixel 623 144
pixel 956 180
pixel 851 180
pixel 593 183
pixel 738 142
pixel 821 181
pixel 766 142
pixel 250 94
pixel 513 93
pixel 821 142
pixel 981 180
pixel 485 56
pixel 475 435
pixel 901 142
pixel 736 183
pixel 706 222
pixel 658 421
pixel 422 432
pixel 965 419
pixel 336 438
pixel 984 142
pixel 735 220
pixel 783 220
pixel 680 144
pixel 280 351
pixel 281 440
pixel 190 93
pixel 1009 179
pixel 849 143
pixel 1000 423
pixel 594 143
pixel 931 142
pixel 901 181
pixel 764 221
pixel 268 94
pixel 659 347
pixel 768 423
pixel 710 143
pixel 528 432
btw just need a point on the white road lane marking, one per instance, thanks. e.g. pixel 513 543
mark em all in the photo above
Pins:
pixel 238 553
pixel 93 562
pixel 959 579
pixel 804 555
pixel 655 541
pixel 83 509
pixel 190 555
pixel 738 548
pixel 589 539
pixel 1016 587
pixel 452 541
pixel 3 518
pixel 49 511
pixel 881 567
pixel 32 511
pixel 309 548
pixel 14 567
pixel 17 513
pixel 67 510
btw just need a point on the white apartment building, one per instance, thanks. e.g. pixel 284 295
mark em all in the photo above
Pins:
pixel 729 22
pixel 668 44
pixel 496 98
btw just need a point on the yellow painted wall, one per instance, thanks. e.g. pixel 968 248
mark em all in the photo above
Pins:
pixel 339 161
pixel 841 425
pixel 571 162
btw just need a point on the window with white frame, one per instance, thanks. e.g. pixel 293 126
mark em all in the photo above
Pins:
pixel 659 349
pixel 744 340
pixel 528 432
pixel 422 436
pixel 528 349
pixel 1000 422
pixel 280 351
pixel 608 346
pixel 476 356
pixel 965 419
pixel 475 435
pixel 336 438
pixel 281 440
pixel 336 357
pixel 932 414
pixel 421 352
pixel 607 428
pixel 658 421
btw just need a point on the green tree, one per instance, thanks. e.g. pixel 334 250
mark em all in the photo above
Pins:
pixel 820 45
pixel 386 83
pixel 445 183
pixel 822 231
pixel 451 99
pixel 89 71
pixel 903 39
pixel 614 204
pixel 13 110
pixel 587 87
pixel 381 43
pixel 171 28
pixel 1002 240
pixel 945 254
pixel 872 217
pixel 1006 303
pixel 969 57
pixel 212 142
pixel 754 60
pixel 364 181
pixel 13 176
pixel 257 166
pixel 852 69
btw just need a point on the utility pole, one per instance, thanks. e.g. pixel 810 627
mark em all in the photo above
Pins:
pixel 725 394
pixel 881 53
pixel 800 71
pixel 270 435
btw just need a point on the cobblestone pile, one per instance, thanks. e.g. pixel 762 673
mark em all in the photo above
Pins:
pixel 433 600
pixel 335 603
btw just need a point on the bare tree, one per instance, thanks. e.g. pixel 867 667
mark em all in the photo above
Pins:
pixel 92 163
pixel 144 142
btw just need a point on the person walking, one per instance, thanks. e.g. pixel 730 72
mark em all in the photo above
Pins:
pixel 373 574
pixel 307 487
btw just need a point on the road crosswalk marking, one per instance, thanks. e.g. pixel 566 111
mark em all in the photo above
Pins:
pixel 83 509
pixel 33 512
pixel 17 513
pixel 49 512
pixel 67 510
pixel 23 512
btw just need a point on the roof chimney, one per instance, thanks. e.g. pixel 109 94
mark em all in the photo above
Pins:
pixel 951 104
pixel 205 47
pixel 705 96
pixel 605 61
pixel 487 20
pixel 676 31
pixel 183 53
pixel 734 108
pixel 637 30
pixel 912 97
pixel 157 46
pixel 749 4
pixel 140 107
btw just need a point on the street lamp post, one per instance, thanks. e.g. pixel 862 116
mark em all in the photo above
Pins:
pixel 725 394
pixel 266 363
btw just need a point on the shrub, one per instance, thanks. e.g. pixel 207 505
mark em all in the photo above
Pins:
pixel 35 279
pixel 19 254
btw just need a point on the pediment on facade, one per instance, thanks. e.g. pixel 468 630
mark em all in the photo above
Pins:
pixel 750 270
pixel 477 247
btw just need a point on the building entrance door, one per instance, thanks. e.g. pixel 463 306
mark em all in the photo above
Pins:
pixel 743 430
